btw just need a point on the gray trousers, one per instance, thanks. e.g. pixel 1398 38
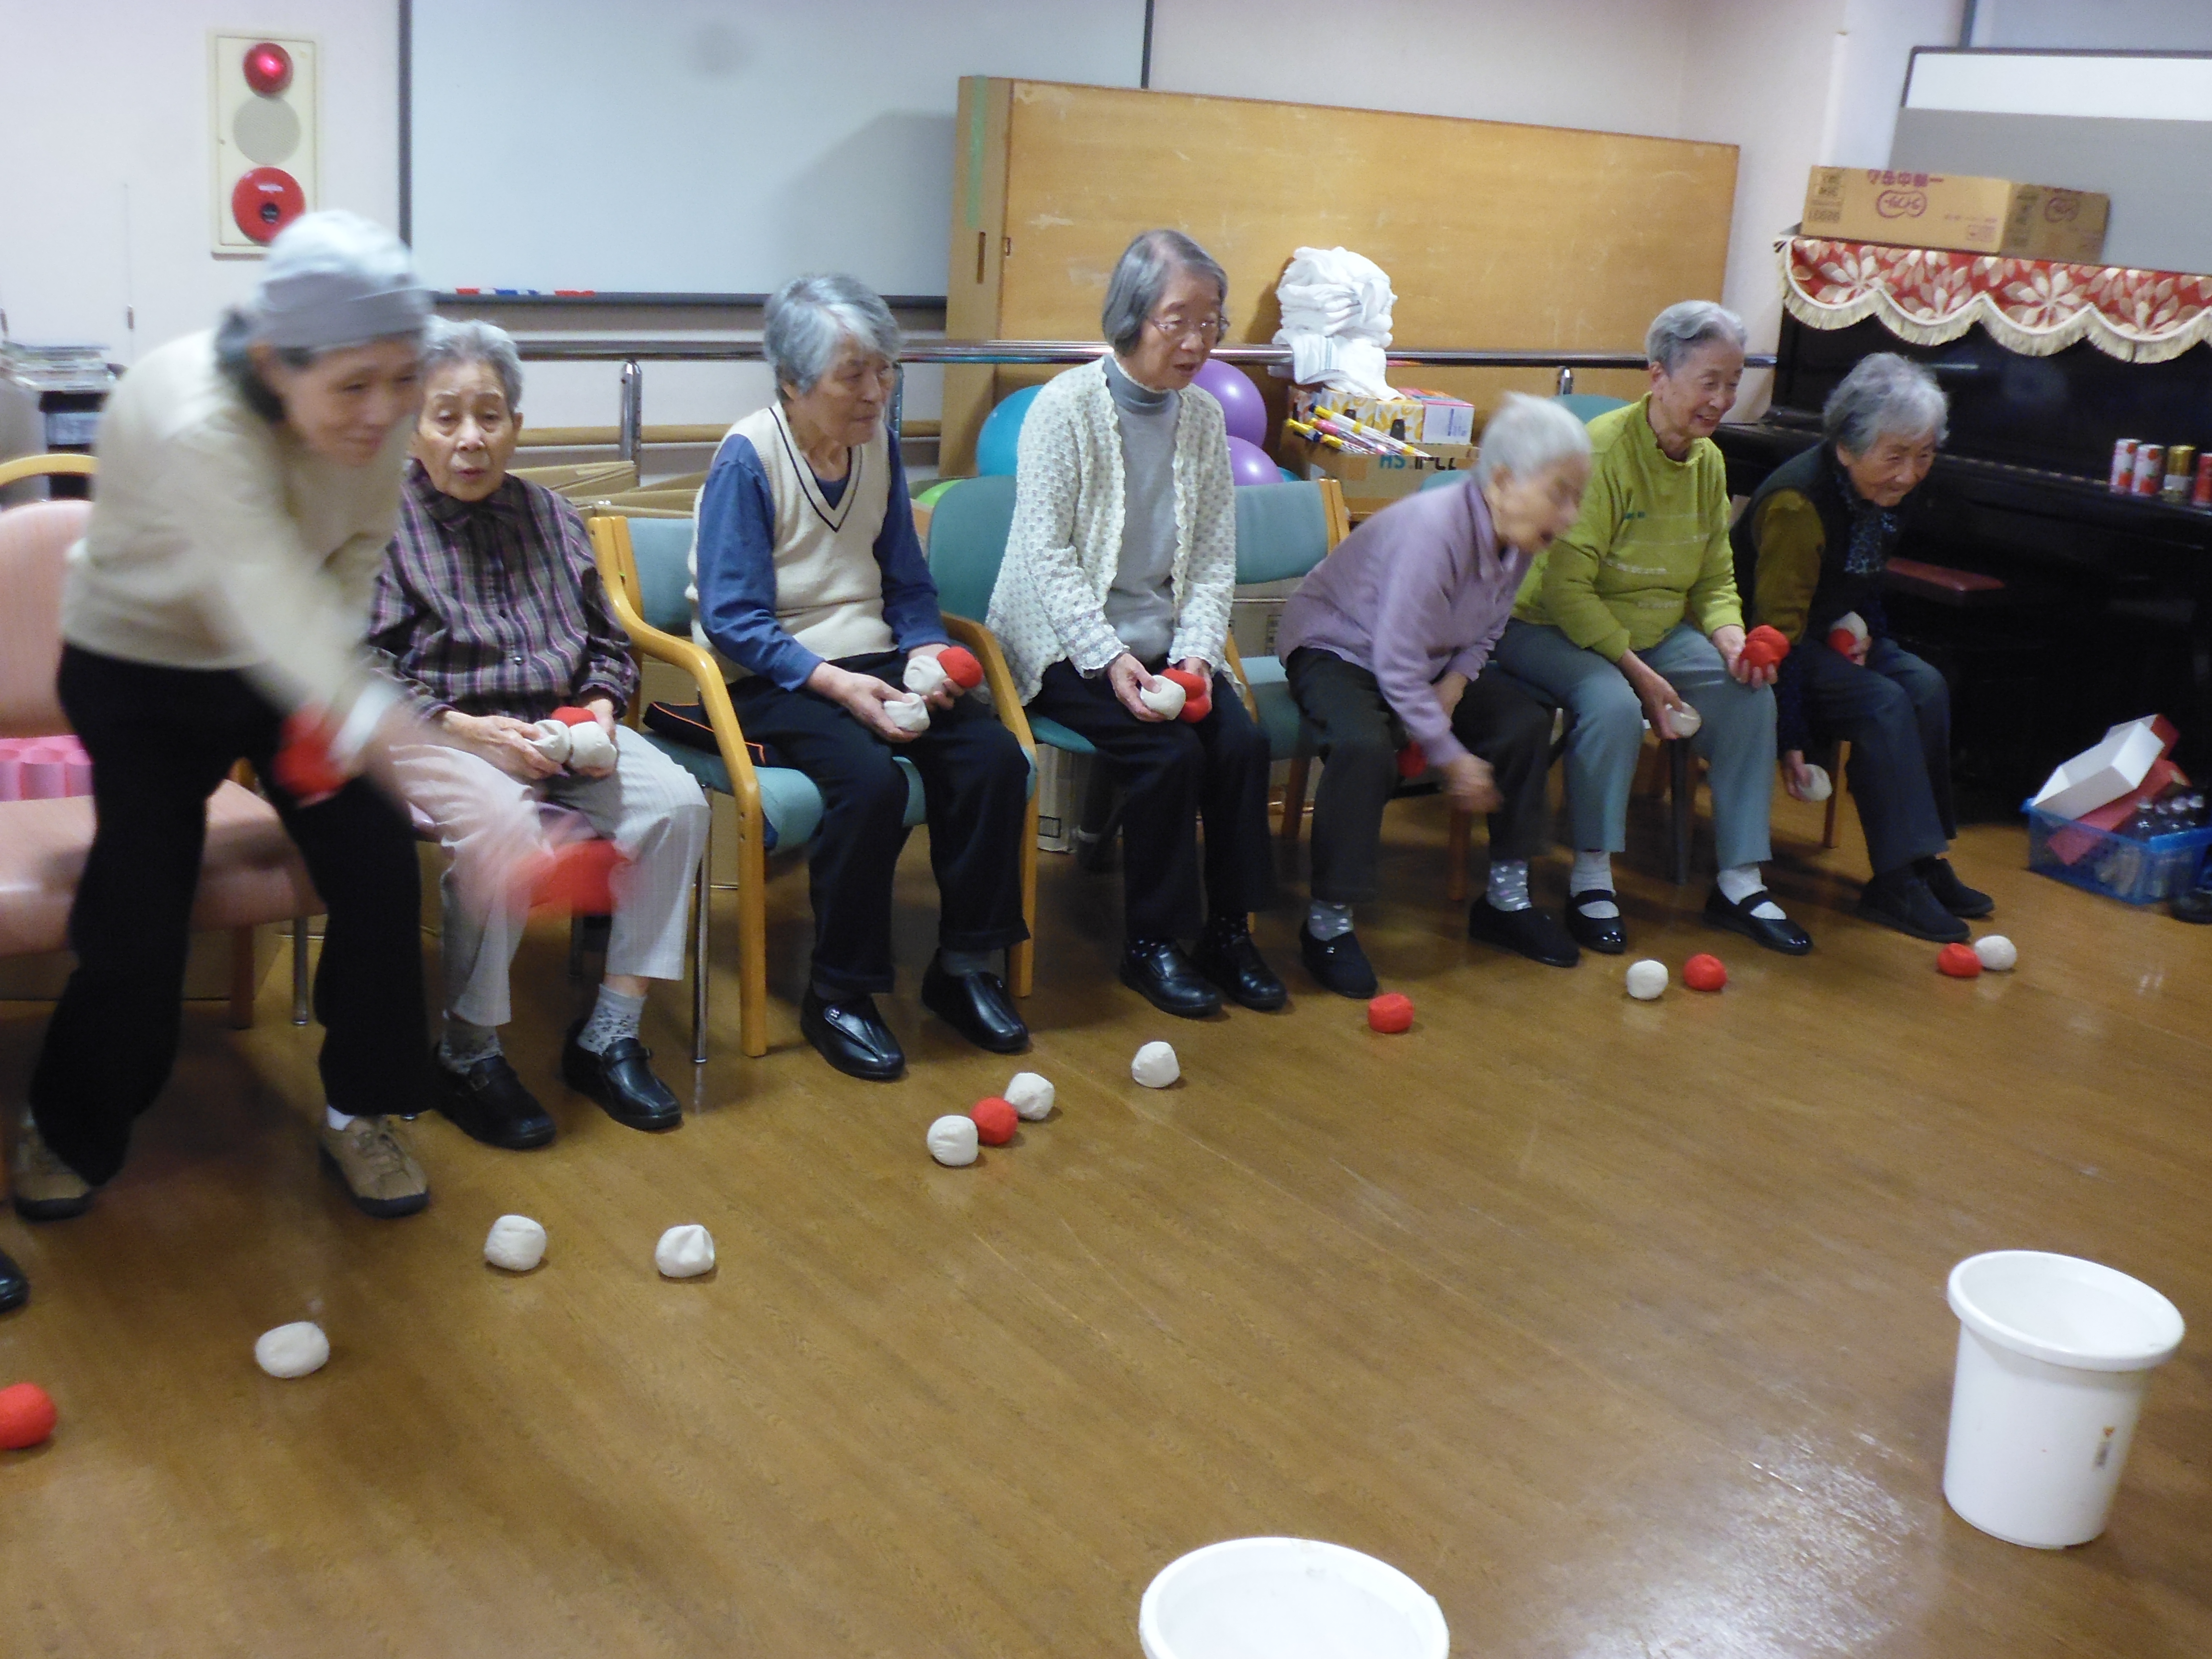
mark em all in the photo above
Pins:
pixel 1736 739
pixel 652 812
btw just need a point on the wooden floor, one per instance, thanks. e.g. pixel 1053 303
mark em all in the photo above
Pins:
pixel 1620 1327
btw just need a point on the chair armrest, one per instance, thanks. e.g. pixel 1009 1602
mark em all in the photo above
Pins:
pixel 996 675
pixel 1236 666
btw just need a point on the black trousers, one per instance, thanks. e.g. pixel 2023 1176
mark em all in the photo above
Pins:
pixel 1496 718
pixel 1173 774
pixel 1896 713
pixel 160 740
pixel 975 780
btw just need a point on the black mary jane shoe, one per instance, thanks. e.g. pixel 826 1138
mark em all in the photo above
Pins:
pixel 1338 964
pixel 1158 971
pixel 486 1101
pixel 1603 934
pixel 1775 932
pixel 977 1006
pixel 15 1284
pixel 1908 906
pixel 1226 956
pixel 852 1037
pixel 1529 931
pixel 1950 892
pixel 618 1077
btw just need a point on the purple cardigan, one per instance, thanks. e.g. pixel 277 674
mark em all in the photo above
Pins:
pixel 1420 590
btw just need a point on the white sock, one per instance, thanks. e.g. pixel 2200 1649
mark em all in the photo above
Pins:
pixel 1739 882
pixel 1592 872
pixel 1509 883
pixel 337 1118
pixel 1326 922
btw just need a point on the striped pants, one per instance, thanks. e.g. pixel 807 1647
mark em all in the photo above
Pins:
pixel 648 806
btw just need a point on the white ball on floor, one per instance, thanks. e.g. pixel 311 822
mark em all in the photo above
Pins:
pixel 1031 1096
pixel 1996 952
pixel 1822 786
pixel 292 1350
pixel 516 1243
pixel 925 674
pixel 1155 1065
pixel 908 714
pixel 1647 979
pixel 1164 697
pixel 1686 721
pixel 952 1141
pixel 590 749
pixel 685 1251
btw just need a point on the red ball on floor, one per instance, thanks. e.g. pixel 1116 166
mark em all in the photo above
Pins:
pixel 1197 692
pixel 27 1416
pixel 1704 972
pixel 1764 647
pixel 1959 961
pixel 1392 1012
pixel 995 1121
pixel 960 666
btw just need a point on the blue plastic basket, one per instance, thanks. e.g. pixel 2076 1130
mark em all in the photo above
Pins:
pixel 2120 866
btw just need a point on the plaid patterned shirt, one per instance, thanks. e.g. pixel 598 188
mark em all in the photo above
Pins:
pixel 495 607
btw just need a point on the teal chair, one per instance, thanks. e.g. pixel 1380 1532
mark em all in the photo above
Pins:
pixel 644 564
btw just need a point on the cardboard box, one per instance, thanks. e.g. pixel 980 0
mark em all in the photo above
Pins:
pixel 1948 210
pixel 2116 766
pixel 1370 483
pixel 1414 416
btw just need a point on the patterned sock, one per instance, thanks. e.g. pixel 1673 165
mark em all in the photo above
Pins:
pixel 464 1045
pixel 614 1017
pixel 1739 882
pixel 1326 922
pixel 1593 873
pixel 1509 883
pixel 957 962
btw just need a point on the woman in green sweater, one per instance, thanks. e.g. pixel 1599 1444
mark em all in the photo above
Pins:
pixel 1632 616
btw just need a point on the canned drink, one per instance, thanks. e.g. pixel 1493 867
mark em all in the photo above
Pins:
pixel 2201 495
pixel 2123 466
pixel 2180 462
pixel 2150 468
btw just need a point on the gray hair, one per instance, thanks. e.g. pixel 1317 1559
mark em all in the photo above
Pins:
pixel 811 318
pixel 1146 266
pixel 461 343
pixel 1527 435
pixel 1683 327
pixel 1884 394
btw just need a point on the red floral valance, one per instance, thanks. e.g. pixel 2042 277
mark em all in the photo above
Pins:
pixel 2035 306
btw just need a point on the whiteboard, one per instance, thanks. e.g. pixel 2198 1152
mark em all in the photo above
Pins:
pixel 711 147
pixel 2108 85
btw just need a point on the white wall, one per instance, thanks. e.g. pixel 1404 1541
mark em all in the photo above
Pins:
pixel 2096 26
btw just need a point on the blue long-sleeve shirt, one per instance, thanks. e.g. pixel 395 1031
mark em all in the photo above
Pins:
pixel 737 568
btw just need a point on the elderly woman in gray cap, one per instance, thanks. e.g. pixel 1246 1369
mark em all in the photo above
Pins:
pixel 249 481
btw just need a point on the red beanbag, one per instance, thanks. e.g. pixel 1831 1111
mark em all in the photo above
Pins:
pixel 1959 961
pixel 995 1121
pixel 1764 647
pixel 1704 972
pixel 580 879
pixel 961 667
pixel 1197 692
pixel 27 1416
pixel 303 765
pixel 1391 1013
pixel 573 716
pixel 1413 761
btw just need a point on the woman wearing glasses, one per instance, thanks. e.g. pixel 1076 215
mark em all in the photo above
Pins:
pixel 1120 565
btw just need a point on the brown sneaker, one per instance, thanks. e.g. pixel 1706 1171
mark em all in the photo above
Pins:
pixel 377 1168
pixel 46 1188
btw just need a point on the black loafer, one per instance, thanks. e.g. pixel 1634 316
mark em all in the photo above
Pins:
pixel 1909 907
pixel 1337 964
pixel 2193 904
pixel 1600 933
pixel 977 1006
pixel 1776 933
pixel 852 1037
pixel 1950 892
pixel 1530 930
pixel 14 1285
pixel 1157 970
pixel 618 1077
pixel 487 1102
pixel 1226 956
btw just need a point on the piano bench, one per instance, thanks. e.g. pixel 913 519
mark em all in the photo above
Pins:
pixel 1942 584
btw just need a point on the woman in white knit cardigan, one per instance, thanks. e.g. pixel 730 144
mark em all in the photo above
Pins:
pixel 1120 564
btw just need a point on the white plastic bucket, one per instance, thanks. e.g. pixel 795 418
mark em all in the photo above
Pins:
pixel 2054 1354
pixel 1288 1598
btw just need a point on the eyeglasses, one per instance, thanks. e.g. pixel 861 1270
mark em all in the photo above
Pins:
pixel 1209 331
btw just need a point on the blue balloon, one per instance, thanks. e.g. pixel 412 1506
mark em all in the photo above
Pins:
pixel 999 444
pixel 1289 477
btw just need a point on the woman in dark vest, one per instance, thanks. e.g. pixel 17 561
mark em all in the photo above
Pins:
pixel 1810 551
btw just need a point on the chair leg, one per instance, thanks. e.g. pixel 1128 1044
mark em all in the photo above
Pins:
pixel 703 895
pixel 1021 958
pixel 1678 786
pixel 1835 796
pixel 1294 797
pixel 300 969
pixel 1457 836
pixel 752 947
pixel 242 979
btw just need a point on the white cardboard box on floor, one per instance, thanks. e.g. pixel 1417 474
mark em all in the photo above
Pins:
pixel 2117 764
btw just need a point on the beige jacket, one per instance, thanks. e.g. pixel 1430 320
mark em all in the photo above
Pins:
pixel 218 541
pixel 1066 542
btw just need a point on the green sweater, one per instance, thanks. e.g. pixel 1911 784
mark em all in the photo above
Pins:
pixel 1651 545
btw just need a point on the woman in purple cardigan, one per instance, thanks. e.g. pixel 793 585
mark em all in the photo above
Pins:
pixel 1385 643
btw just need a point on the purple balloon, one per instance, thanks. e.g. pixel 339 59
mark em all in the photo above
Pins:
pixel 1245 410
pixel 1249 464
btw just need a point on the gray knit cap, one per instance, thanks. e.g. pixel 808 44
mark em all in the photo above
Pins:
pixel 336 279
